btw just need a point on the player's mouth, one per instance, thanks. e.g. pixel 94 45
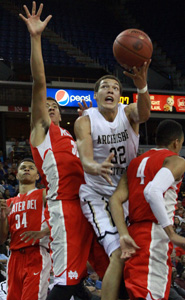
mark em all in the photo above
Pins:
pixel 51 114
pixel 109 99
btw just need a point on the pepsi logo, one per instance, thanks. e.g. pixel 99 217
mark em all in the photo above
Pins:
pixel 62 97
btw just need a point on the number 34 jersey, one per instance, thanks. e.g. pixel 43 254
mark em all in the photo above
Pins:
pixel 27 214
pixel 116 137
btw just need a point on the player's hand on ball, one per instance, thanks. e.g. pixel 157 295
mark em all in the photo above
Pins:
pixel 139 75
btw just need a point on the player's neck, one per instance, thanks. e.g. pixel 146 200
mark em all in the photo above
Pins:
pixel 108 114
pixel 25 188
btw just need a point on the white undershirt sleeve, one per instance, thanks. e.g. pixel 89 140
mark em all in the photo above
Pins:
pixel 153 193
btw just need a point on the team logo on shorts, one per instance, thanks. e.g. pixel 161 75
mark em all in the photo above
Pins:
pixel 73 275
pixel 62 97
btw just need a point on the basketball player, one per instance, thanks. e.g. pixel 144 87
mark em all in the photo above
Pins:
pixel 55 154
pixel 29 263
pixel 153 184
pixel 107 140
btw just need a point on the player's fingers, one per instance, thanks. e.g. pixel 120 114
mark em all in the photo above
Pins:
pixel 90 104
pixel 27 11
pixel 110 157
pixel 148 63
pixel 84 104
pixel 46 21
pixel 33 8
pixel 108 179
pixel 40 10
pixel 22 17
pixel 106 171
pixel 125 255
pixel 80 105
pixel 128 74
pixel 23 237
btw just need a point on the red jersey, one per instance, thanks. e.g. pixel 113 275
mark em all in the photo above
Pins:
pixel 27 214
pixel 59 165
pixel 141 171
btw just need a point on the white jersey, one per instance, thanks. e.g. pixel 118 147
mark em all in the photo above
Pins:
pixel 3 290
pixel 117 137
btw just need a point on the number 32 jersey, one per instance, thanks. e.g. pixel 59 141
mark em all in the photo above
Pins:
pixel 116 137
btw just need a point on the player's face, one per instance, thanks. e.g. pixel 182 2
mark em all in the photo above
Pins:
pixel 53 111
pixel 27 173
pixel 108 94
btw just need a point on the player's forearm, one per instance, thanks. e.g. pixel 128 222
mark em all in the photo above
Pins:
pixel 36 61
pixel 153 193
pixel 3 231
pixel 117 212
pixel 175 238
pixel 85 149
pixel 143 106
pixel 90 166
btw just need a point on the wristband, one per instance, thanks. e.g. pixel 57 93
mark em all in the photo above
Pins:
pixel 142 91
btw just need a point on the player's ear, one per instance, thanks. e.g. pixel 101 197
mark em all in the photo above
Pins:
pixel 176 143
pixel 95 96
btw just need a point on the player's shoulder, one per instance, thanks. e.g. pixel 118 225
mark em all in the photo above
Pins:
pixel 90 111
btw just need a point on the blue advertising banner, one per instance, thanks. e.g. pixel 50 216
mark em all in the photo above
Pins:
pixel 70 98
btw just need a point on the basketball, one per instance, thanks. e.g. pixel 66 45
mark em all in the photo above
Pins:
pixel 132 47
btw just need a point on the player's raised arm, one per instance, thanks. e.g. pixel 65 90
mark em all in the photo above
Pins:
pixel 36 27
pixel 140 112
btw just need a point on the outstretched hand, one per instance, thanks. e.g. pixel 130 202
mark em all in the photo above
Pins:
pixel 34 24
pixel 83 107
pixel 104 169
pixel 128 246
pixel 139 75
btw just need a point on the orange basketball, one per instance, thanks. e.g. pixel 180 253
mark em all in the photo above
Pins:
pixel 132 47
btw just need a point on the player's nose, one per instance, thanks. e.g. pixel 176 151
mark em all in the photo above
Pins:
pixel 50 108
pixel 110 90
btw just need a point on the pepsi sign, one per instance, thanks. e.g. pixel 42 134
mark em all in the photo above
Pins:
pixel 70 98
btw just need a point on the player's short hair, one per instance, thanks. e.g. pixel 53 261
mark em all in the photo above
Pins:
pixel 167 132
pixel 26 159
pixel 97 83
pixel 53 99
